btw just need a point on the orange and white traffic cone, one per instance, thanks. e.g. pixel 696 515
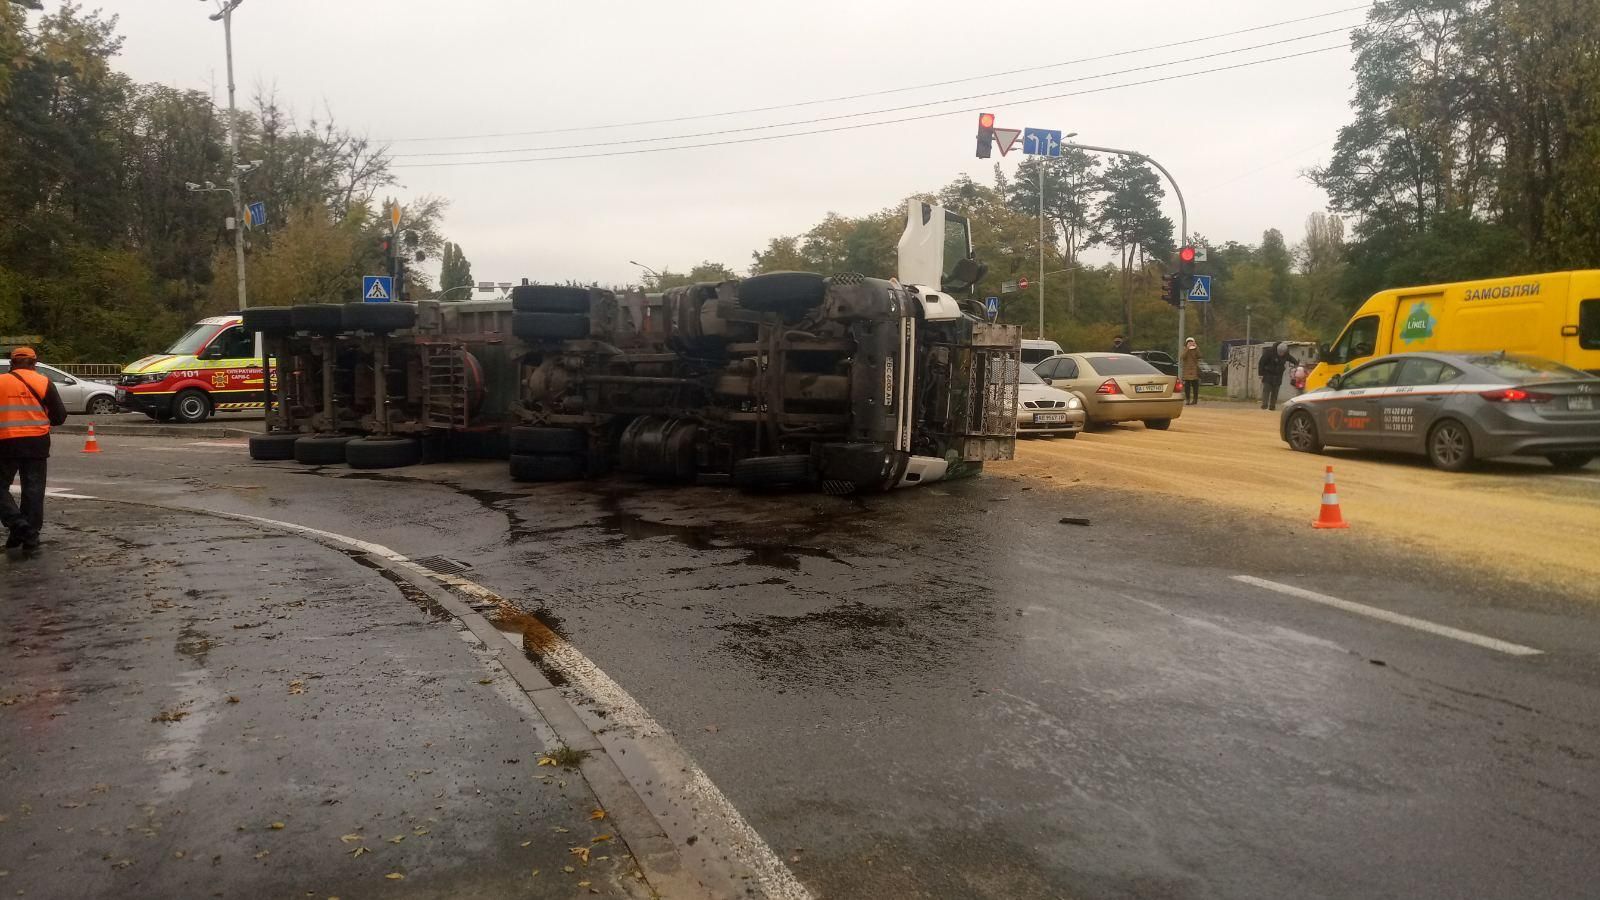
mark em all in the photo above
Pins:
pixel 91 445
pixel 1330 516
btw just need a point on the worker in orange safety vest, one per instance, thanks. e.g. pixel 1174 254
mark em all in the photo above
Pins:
pixel 29 405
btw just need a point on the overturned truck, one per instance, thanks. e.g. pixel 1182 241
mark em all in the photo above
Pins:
pixel 845 382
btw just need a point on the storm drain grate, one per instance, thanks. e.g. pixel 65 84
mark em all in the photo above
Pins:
pixel 444 565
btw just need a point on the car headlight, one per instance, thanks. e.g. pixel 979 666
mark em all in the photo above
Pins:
pixel 1074 403
pixel 152 377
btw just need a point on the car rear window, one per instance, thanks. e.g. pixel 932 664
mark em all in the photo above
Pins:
pixel 1520 368
pixel 1122 365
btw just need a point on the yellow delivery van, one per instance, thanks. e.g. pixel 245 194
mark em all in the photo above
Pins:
pixel 1555 315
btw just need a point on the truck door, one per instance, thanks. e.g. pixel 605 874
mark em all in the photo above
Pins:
pixel 1358 344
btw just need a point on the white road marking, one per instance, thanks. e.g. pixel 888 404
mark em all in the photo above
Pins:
pixel 747 847
pixel 1392 618
pixel 231 445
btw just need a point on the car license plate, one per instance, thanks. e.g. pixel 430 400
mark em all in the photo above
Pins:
pixel 1583 404
pixel 122 395
pixel 1149 388
pixel 1048 418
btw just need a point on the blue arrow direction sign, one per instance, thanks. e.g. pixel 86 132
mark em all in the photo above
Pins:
pixel 1200 290
pixel 377 288
pixel 991 307
pixel 1041 142
pixel 258 214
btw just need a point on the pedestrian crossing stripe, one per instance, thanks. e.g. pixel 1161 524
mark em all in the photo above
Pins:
pixel 376 292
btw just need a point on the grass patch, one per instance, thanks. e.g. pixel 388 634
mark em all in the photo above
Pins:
pixel 564 756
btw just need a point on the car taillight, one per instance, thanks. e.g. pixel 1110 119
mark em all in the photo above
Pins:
pixel 1109 386
pixel 1515 395
pixel 1177 386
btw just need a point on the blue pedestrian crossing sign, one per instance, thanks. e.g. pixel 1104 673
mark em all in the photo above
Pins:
pixel 1200 290
pixel 991 308
pixel 258 214
pixel 1041 142
pixel 377 288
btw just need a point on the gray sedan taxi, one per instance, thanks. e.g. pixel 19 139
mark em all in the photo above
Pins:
pixel 1456 408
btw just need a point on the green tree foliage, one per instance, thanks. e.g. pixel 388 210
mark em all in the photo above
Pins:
pixel 455 272
pixel 1476 121
pixel 1128 219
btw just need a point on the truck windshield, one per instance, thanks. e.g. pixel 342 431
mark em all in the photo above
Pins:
pixel 957 244
pixel 192 341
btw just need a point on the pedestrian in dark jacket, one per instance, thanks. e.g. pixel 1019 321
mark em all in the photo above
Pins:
pixel 29 406
pixel 1119 344
pixel 1189 362
pixel 1274 360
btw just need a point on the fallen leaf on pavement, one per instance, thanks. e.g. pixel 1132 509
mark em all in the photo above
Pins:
pixel 276 826
pixel 397 839
pixel 356 853
pixel 535 872
pixel 560 830
pixel 170 715
pixel 395 876
pixel 350 838
pixel 486 681
pixel 598 814
pixel 568 869
pixel 263 854
pixel 581 853
pixel 297 686
pixel 527 843
pixel 232 699
pixel 546 761
pixel 419 832
pixel 603 837
pixel 584 883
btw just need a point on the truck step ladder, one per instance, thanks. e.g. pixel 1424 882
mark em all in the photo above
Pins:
pixel 444 380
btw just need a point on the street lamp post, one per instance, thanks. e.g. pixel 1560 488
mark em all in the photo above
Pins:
pixel 653 272
pixel 224 13
pixel 1183 212
pixel 459 287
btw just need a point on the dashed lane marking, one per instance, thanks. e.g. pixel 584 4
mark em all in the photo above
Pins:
pixel 1392 618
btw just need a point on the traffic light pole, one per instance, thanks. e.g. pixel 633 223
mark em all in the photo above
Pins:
pixel 1041 248
pixel 1183 227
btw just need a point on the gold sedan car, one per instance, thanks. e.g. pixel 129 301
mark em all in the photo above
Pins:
pixel 1117 387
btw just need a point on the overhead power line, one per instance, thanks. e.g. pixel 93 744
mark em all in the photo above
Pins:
pixel 990 95
pixel 878 93
pixel 859 125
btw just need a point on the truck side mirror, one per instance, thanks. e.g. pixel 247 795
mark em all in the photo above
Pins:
pixel 967 272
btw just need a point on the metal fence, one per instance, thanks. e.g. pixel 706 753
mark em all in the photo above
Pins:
pixel 90 370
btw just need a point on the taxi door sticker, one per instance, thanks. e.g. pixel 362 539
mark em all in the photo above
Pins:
pixel 1400 419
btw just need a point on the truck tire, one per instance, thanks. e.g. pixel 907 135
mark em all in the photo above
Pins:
pixel 547 467
pixel 274 445
pixel 382 452
pixel 268 319
pixel 317 318
pixel 783 292
pixel 773 471
pixel 525 439
pixel 321 449
pixel 378 318
pixel 191 407
pixel 544 326
pixel 547 298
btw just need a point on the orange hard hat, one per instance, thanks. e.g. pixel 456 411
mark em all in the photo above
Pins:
pixel 24 353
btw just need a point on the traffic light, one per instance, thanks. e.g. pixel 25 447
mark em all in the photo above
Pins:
pixel 1186 259
pixel 1172 290
pixel 985 134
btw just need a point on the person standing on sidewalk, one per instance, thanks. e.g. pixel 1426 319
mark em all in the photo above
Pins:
pixel 1189 368
pixel 1273 362
pixel 29 406
pixel 1119 344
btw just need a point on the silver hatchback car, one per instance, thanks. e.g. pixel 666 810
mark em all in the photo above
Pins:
pixel 1456 408
pixel 78 395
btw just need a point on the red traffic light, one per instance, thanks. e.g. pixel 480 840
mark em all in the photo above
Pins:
pixel 985 120
pixel 1186 255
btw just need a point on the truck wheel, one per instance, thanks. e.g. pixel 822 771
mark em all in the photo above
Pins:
pixel 547 467
pixel 102 406
pixel 773 471
pixel 378 318
pixel 321 449
pixel 1450 446
pixel 783 292
pixel 544 326
pixel 526 439
pixel 382 452
pixel 274 445
pixel 268 319
pixel 317 318
pixel 191 407
pixel 548 298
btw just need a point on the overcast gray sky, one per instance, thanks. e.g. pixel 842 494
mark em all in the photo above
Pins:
pixel 1237 141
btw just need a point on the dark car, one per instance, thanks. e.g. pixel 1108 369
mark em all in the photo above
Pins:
pixel 1454 407
pixel 1163 362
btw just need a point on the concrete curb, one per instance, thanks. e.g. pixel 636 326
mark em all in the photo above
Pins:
pixel 657 857
pixel 197 432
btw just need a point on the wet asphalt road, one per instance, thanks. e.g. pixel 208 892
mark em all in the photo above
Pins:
pixel 946 693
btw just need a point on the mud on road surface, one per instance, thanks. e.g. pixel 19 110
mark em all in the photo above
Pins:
pixel 1517 519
